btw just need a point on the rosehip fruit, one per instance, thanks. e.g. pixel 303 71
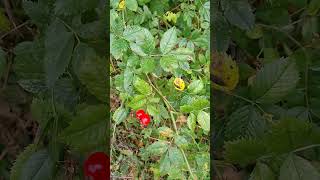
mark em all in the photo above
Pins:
pixel 97 166
pixel 140 113
pixel 145 120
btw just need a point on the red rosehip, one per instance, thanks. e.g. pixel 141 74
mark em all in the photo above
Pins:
pixel 145 120
pixel 97 166
pixel 140 113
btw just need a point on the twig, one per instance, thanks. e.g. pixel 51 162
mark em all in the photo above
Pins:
pixel 14 29
pixel 7 73
pixel 7 6
pixel 3 154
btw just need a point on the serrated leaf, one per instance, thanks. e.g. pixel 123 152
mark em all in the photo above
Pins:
pixel 91 70
pixel 244 151
pixel 120 115
pixel 29 60
pixel 239 13
pixel 142 86
pixel 16 169
pixel 38 167
pixel 141 39
pixel 262 172
pixel 290 134
pixel 203 119
pixel 137 102
pixel 157 148
pixel 148 65
pixel 169 63
pixel 132 5
pixel 73 7
pixel 195 105
pixel 33 85
pixel 274 81
pixel 118 47
pixel 180 141
pixel 195 86
pixel 191 121
pixel 58 46
pixel 87 129
pixel 297 168
pixel 246 122
pixel 39 12
pixel 168 41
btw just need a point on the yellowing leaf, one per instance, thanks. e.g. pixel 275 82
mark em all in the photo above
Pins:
pixel 179 84
pixel 225 72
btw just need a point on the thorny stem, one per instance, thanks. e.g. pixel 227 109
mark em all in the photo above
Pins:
pixel 169 107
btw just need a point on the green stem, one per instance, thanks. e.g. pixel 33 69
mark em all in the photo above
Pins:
pixel 169 107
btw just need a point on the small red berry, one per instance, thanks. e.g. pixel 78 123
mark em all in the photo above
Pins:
pixel 145 120
pixel 140 113
pixel 97 166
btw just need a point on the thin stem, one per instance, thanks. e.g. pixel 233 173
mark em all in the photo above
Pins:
pixel 169 107
pixel 71 29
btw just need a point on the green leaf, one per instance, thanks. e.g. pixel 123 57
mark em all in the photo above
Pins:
pixel 33 85
pixel 91 70
pixel 157 148
pixel 38 167
pixel 118 47
pixel 58 45
pixel 29 60
pixel 172 163
pixel 180 141
pixel 19 163
pixel 169 40
pixel 244 151
pixel 195 105
pixel 246 122
pixel 262 172
pixel 142 86
pixel 39 12
pixel 313 7
pixel 274 81
pixel 141 40
pixel 148 65
pixel 239 13
pixel 41 111
pixel 74 7
pixel 222 32
pixel 297 168
pixel 132 5
pixel 191 121
pixel 203 119
pixel 153 109
pixel 137 102
pixel 87 130
pixel 4 22
pixel 290 134
pixel 137 49
pixel 120 115
pixel 195 86
pixel 169 63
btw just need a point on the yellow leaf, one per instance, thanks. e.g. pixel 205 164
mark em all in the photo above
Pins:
pixel 179 84
pixel 225 72
pixel 122 5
